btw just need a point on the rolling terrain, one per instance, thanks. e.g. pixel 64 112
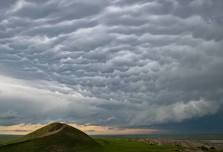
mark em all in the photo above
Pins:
pixel 59 137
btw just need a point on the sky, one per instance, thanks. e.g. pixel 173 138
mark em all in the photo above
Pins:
pixel 133 65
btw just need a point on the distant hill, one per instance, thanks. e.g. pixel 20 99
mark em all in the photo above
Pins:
pixel 56 137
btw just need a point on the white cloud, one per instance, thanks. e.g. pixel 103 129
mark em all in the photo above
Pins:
pixel 23 100
pixel 176 112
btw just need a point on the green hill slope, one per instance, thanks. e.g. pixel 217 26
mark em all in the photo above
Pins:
pixel 56 137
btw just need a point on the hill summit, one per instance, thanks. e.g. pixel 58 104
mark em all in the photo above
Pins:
pixel 55 137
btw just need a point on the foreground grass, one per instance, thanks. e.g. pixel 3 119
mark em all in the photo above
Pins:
pixel 7 138
pixel 108 145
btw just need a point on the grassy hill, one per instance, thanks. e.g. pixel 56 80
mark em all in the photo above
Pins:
pixel 56 137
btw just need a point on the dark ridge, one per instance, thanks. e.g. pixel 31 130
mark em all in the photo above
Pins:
pixel 54 137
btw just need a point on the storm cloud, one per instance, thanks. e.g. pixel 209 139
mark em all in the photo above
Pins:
pixel 121 62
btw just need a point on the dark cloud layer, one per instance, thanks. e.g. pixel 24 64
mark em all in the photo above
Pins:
pixel 121 62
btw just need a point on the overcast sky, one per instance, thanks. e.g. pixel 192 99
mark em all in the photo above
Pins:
pixel 118 63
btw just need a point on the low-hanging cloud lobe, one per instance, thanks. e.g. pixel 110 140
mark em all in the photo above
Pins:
pixel 123 63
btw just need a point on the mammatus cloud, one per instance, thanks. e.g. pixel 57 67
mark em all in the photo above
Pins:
pixel 122 63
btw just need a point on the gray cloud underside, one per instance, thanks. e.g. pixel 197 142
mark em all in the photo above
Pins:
pixel 141 62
